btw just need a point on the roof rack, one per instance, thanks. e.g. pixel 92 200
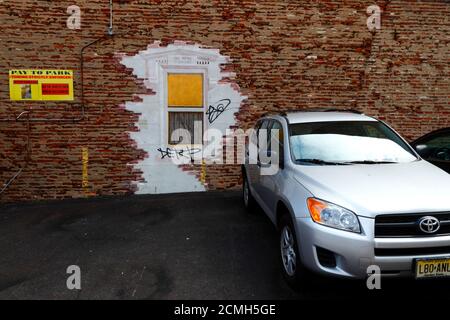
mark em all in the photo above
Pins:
pixel 324 110
pixel 285 112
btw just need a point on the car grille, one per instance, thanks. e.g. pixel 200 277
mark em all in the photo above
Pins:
pixel 407 225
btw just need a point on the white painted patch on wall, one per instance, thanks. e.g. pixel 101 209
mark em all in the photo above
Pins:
pixel 160 174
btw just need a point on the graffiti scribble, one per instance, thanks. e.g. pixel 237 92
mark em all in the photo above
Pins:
pixel 186 152
pixel 214 111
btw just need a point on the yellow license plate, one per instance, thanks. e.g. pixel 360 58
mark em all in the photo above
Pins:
pixel 435 268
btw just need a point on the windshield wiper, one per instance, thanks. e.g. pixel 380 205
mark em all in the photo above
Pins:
pixel 343 163
pixel 371 162
pixel 322 162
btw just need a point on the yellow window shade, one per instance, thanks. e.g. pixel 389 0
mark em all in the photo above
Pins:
pixel 185 90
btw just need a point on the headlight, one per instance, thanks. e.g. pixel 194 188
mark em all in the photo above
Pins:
pixel 333 216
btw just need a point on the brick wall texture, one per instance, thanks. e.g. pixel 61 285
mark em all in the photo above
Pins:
pixel 286 55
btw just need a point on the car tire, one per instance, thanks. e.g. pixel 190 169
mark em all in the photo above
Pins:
pixel 294 272
pixel 249 201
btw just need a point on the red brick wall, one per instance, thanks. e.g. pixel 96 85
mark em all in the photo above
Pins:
pixel 286 54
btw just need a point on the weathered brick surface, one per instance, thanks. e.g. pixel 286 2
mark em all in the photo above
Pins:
pixel 286 54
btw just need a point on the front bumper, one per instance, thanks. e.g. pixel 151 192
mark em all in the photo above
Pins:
pixel 354 253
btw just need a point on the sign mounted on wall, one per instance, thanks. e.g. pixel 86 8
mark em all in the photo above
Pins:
pixel 39 85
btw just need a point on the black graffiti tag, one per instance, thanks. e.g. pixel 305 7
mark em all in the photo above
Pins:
pixel 215 110
pixel 165 153
pixel 170 153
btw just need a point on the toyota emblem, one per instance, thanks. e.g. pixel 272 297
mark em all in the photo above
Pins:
pixel 429 225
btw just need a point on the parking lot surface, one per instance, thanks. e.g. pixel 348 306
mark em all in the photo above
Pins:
pixel 182 246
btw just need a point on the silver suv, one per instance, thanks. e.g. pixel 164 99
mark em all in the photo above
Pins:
pixel 350 195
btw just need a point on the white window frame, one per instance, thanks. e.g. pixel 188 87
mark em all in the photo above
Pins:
pixel 165 123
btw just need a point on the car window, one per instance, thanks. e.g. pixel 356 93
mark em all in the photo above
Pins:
pixel 278 126
pixel 435 147
pixel 277 131
pixel 264 126
pixel 441 141
pixel 347 141
pixel 373 132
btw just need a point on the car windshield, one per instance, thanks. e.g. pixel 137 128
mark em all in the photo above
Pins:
pixel 347 142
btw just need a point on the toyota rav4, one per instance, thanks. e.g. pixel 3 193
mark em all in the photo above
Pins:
pixel 349 194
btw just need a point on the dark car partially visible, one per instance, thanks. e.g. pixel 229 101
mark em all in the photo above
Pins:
pixel 435 148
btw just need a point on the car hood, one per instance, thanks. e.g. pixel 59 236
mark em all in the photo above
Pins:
pixel 370 190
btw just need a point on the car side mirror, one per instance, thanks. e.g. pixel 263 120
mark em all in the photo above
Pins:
pixel 421 149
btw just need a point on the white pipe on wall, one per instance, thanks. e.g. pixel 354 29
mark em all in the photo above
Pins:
pixel 110 29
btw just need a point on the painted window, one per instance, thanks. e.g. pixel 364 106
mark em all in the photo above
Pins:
pixel 191 121
pixel 185 104
pixel 185 90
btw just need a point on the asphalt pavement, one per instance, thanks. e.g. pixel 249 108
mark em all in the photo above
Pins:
pixel 181 246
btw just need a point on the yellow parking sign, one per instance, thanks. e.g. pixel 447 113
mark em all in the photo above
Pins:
pixel 38 85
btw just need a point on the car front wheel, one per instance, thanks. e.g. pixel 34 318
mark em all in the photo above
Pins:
pixel 293 270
